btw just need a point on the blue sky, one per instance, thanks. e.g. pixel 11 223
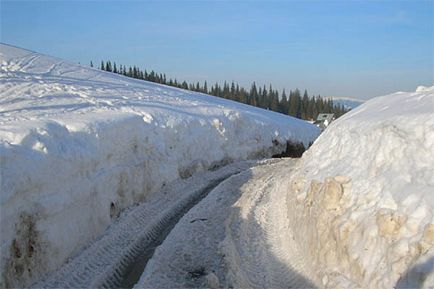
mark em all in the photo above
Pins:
pixel 333 48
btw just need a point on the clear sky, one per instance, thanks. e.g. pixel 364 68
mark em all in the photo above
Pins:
pixel 333 48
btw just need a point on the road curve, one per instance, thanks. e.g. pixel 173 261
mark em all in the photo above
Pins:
pixel 237 237
pixel 118 257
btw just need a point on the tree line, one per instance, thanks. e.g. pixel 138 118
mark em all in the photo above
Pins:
pixel 293 103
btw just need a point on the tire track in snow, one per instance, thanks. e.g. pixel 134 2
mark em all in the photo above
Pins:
pixel 259 247
pixel 244 240
pixel 117 259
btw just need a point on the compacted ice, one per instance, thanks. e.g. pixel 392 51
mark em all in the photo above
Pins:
pixel 78 145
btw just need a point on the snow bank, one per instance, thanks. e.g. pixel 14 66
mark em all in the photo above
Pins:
pixel 362 196
pixel 77 145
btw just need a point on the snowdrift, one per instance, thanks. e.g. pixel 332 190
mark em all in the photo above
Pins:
pixel 78 145
pixel 361 198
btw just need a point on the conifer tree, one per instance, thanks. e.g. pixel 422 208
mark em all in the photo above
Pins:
pixel 253 95
pixel 302 107
pixel 205 88
pixel 108 66
pixel 184 85
pixel 284 102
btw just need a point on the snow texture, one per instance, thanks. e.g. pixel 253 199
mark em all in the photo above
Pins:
pixel 237 237
pixel 79 145
pixel 362 196
pixel 356 211
pixel 107 262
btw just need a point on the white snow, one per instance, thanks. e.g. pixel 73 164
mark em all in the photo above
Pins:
pixel 77 145
pixel 356 211
pixel 364 206
pixel 237 237
pixel 138 230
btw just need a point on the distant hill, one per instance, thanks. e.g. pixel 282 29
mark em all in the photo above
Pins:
pixel 347 102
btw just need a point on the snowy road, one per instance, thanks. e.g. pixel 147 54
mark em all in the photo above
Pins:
pixel 78 146
pixel 119 256
pixel 235 238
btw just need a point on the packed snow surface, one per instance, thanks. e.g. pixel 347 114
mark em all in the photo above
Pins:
pixel 237 237
pixel 78 145
pixel 129 242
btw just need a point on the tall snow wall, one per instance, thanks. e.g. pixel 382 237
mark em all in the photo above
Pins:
pixel 361 198
pixel 78 145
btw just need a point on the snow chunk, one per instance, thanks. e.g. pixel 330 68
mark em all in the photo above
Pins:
pixel 422 88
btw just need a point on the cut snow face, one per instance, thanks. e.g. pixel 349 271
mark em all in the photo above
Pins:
pixel 362 198
pixel 78 145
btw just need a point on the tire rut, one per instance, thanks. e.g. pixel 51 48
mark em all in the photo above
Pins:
pixel 119 257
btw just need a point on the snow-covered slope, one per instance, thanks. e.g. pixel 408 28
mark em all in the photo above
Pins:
pixel 363 195
pixel 78 145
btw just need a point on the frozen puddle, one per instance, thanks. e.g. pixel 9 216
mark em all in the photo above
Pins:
pixel 118 258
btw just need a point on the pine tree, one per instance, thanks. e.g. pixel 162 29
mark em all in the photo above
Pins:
pixel 184 85
pixel 253 95
pixel 205 87
pixel 108 66
pixel 232 92
pixel 302 107
pixel 283 103
pixel 298 103
pixel 263 98
pixel 274 105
